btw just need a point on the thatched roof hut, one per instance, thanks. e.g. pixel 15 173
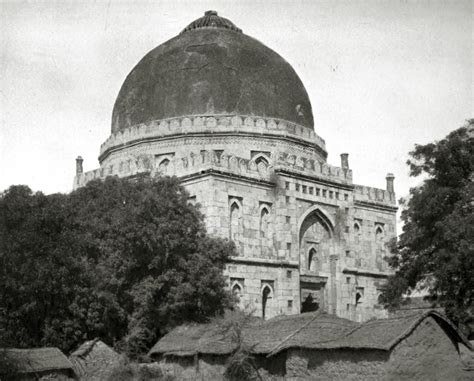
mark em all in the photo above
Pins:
pixel 321 346
pixel 35 363
pixel 94 360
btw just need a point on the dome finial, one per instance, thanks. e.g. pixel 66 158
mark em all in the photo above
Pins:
pixel 212 20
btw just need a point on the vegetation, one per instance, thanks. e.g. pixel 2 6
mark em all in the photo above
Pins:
pixel 118 259
pixel 436 249
pixel 241 364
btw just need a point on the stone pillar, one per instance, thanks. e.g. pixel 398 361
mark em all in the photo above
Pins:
pixel 345 160
pixel 333 284
pixel 390 177
pixel 79 168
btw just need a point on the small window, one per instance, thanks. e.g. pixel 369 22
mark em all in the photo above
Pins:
pixel 287 219
pixel 287 185
pixel 348 253
pixel 356 228
pixel 288 246
pixel 237 290
pixel 346 197
pixel 318 191
pixel 290 304
pixel 288 274
pixel 311 190
pixel 337 195
pixel 379 233
pixel 297 187
pixel 347 229
pixel 348 280
pixel 287 199
pixel 325 192
pixel 331 194
pixel 346 210
pixel 359 295
pixel 305 189
pixel 348 307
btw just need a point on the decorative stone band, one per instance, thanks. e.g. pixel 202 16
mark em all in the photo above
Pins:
pixel 282 263
pixel 366 272
pixel 212 124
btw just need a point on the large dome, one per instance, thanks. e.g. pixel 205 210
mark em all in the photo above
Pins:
pixel 211 68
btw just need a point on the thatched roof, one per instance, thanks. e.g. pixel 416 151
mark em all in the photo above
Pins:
pixel 88 346
pixel 308 330
pixel 37 359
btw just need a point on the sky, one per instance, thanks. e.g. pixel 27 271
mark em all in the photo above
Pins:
pixel 382 76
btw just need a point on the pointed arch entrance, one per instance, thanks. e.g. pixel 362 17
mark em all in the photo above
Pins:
pixel 316 231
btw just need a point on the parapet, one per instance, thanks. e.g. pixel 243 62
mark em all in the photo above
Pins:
pixel 212 124
pixel 374 195
pixel 304 166
pixel 193 163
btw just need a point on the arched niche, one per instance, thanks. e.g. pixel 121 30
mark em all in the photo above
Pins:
pixel 235 221
pixel 163 166
pixel 316 230
pixel 266 231
pixel 314 263
pixel 267 298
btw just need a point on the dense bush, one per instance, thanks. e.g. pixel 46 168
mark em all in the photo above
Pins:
pixel 118 259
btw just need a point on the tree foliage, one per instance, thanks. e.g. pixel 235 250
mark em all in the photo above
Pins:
pixel 436 248
pixel 121 260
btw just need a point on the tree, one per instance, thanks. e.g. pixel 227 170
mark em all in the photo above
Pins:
pixel 45 296
pixel 117 259
pixel 436 248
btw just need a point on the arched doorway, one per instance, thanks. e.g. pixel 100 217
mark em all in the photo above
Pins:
pixel 315 245
pixel 309 304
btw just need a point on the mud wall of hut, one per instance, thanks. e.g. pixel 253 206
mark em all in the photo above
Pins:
pixel 194 368
pixel 336 364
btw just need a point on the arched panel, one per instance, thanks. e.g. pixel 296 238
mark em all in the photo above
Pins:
pixel 315 235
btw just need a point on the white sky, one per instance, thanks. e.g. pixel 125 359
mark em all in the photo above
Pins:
pixel 381 75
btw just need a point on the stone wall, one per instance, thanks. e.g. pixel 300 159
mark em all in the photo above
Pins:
pixel 266 185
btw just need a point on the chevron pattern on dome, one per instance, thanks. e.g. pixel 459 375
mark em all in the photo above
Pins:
pixel 212 20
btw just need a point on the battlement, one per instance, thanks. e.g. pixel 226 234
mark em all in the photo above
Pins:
pixel 212 124
pixel 310 167
pixel 180 167
pixel 197 162
pixel 369 194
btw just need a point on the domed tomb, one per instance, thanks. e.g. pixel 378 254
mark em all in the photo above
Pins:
pixel 211 68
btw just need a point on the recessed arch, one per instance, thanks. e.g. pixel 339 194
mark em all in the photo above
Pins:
pixel 356 228
pixel 264 221
pixel 237 289
pixel 164 163
pixel 267 293
pixel 261 158
pixel 235 221
pixel 313 260
pixel 322 214
pixel 379 233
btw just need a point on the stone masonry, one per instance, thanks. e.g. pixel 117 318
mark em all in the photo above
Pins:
pixel 307 237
